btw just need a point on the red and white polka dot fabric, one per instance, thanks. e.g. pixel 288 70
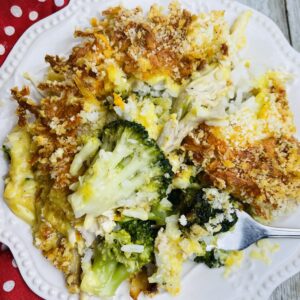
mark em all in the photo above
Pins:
pixel 12 286
pixel 15 17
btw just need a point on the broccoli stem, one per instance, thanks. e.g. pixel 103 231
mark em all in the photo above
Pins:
pixel 159 216
pixel 104 277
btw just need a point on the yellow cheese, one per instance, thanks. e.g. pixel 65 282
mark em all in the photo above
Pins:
pixel 263 250
pixel 20 188
pixel 232 262
pixel 116 78
pixel 118 101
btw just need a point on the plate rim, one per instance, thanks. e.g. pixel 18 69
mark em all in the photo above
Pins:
pixel 26 265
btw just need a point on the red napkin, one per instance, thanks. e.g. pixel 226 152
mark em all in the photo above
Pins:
pixel 15 17
pixel 12 286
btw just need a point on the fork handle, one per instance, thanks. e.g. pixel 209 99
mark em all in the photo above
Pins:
pixel 274 232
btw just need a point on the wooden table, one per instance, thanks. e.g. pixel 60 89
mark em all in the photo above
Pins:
pixel 286 14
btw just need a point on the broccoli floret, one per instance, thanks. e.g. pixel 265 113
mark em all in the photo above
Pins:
pixel 148 103
pixel 129 169
pixel 226 224
pixel 217 258
pixel 212 259
pixel 148 111
pixel 141 232
pixel 103 277
pixel 190 203
pixel 205 207
pixel 111 265
pixel 105 273
pixel 160 211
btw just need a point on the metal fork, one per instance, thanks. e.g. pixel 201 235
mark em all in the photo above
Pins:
pixel 247 231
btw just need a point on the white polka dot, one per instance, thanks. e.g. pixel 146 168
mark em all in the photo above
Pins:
pixel 59 2
pixel 42 0
pixel 9 30
pixel 33 15
pixel 2 51
pixel 16 11
pixel 8 286
pixel 14 264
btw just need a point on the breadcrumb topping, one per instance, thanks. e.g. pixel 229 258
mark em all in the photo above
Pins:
pixel 175 73
pixel 265 175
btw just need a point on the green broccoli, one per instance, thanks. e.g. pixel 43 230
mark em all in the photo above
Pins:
pixel 190 203
pixel 213 259
pixel 128 169
pixel 205 207
pixel 151 112
pixel 141 232
pixel 111 264
pixel 160 211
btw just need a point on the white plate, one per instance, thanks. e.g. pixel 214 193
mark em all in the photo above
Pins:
pixel 267 48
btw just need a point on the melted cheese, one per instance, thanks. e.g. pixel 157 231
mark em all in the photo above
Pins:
pixel 260 116
pixel 20 187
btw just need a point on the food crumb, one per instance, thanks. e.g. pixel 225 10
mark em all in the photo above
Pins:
pixel 263 250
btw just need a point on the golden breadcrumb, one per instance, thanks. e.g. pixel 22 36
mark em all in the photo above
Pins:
pixel 259 165
pixel 265 175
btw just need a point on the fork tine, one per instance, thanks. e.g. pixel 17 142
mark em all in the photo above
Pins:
pixel 246 232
